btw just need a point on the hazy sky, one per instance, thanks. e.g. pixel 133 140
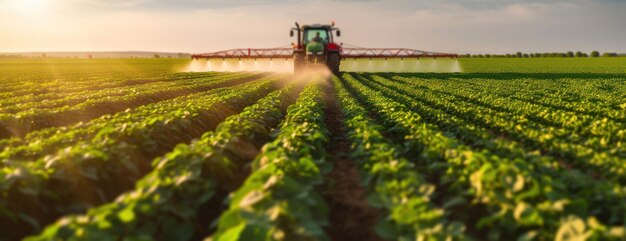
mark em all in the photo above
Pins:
pixel 460 26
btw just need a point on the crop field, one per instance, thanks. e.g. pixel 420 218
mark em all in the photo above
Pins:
pixel 508 149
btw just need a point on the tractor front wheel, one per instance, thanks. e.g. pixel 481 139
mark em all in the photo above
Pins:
pixel 333 63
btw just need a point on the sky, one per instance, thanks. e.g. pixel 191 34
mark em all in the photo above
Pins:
pixel 195 26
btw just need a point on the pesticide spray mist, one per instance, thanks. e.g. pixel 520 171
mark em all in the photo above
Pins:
pixel 233 65
pixel 405 65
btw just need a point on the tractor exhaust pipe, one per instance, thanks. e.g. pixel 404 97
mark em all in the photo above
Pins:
pixel 298 29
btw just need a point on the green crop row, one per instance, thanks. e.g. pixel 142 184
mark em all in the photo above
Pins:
pixel 76 177
pixel 515 198
pixel 69 73
pixel 588 96
pixel 22 123
pixel 37 87
pixel 583 66
pixel 395 185
pixel 241 156
pixel 593 152
pixel 56 99
pixel 170 202
pixel 573 184
pixel 567 117
pixel 40 143
pixel 278 201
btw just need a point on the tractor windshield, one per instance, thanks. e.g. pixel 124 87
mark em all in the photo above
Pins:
pixel 316 35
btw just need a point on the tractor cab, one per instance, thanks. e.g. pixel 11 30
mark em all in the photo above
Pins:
pixel 321 35
pixel 316 47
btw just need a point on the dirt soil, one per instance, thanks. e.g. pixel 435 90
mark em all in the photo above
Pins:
pixel 351 217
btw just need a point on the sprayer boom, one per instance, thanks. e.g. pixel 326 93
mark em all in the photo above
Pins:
pixel 316 48
pixel 270 53
pixel 346 53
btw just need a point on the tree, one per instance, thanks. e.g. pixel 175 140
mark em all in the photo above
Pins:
pixel 595 54
pixel 579 54
pixel 518 54
pixel 570 54
pixel 609 55
pixel 156 56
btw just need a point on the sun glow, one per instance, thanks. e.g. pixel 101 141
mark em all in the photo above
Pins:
pixel 28 6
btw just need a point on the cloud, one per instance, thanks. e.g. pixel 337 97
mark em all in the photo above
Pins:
pixel 411 4
pixel 491 4
pixel 197 26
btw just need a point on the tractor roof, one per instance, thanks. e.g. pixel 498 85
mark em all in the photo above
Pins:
pixel 325 26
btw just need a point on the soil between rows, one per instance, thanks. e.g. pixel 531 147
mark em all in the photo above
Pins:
pixel 351 217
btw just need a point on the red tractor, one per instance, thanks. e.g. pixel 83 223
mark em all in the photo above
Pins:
pixel 316 47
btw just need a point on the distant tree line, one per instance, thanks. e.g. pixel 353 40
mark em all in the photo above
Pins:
pixel 569 54
pixel 10 56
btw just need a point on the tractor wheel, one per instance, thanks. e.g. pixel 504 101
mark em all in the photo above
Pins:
pixel 298 64
pixel 333 63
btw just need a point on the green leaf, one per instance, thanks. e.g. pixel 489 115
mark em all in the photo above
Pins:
pixel 572 229
pixel 127 215
pixel 528 236
pixel 519 183
pixel 617 232
pixel 455 201
pixel 251 198
pixel 50 231
pixel 533 192
pixel 254 232
pixel 103 132
pixel 386 229
pixel 232 234
pixel 374 200
pixel 229 219
pixel 526 214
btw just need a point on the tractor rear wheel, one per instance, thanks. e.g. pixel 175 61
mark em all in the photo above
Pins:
pixel 333 63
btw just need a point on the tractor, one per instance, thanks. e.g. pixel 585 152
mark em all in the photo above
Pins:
pixel 316 47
